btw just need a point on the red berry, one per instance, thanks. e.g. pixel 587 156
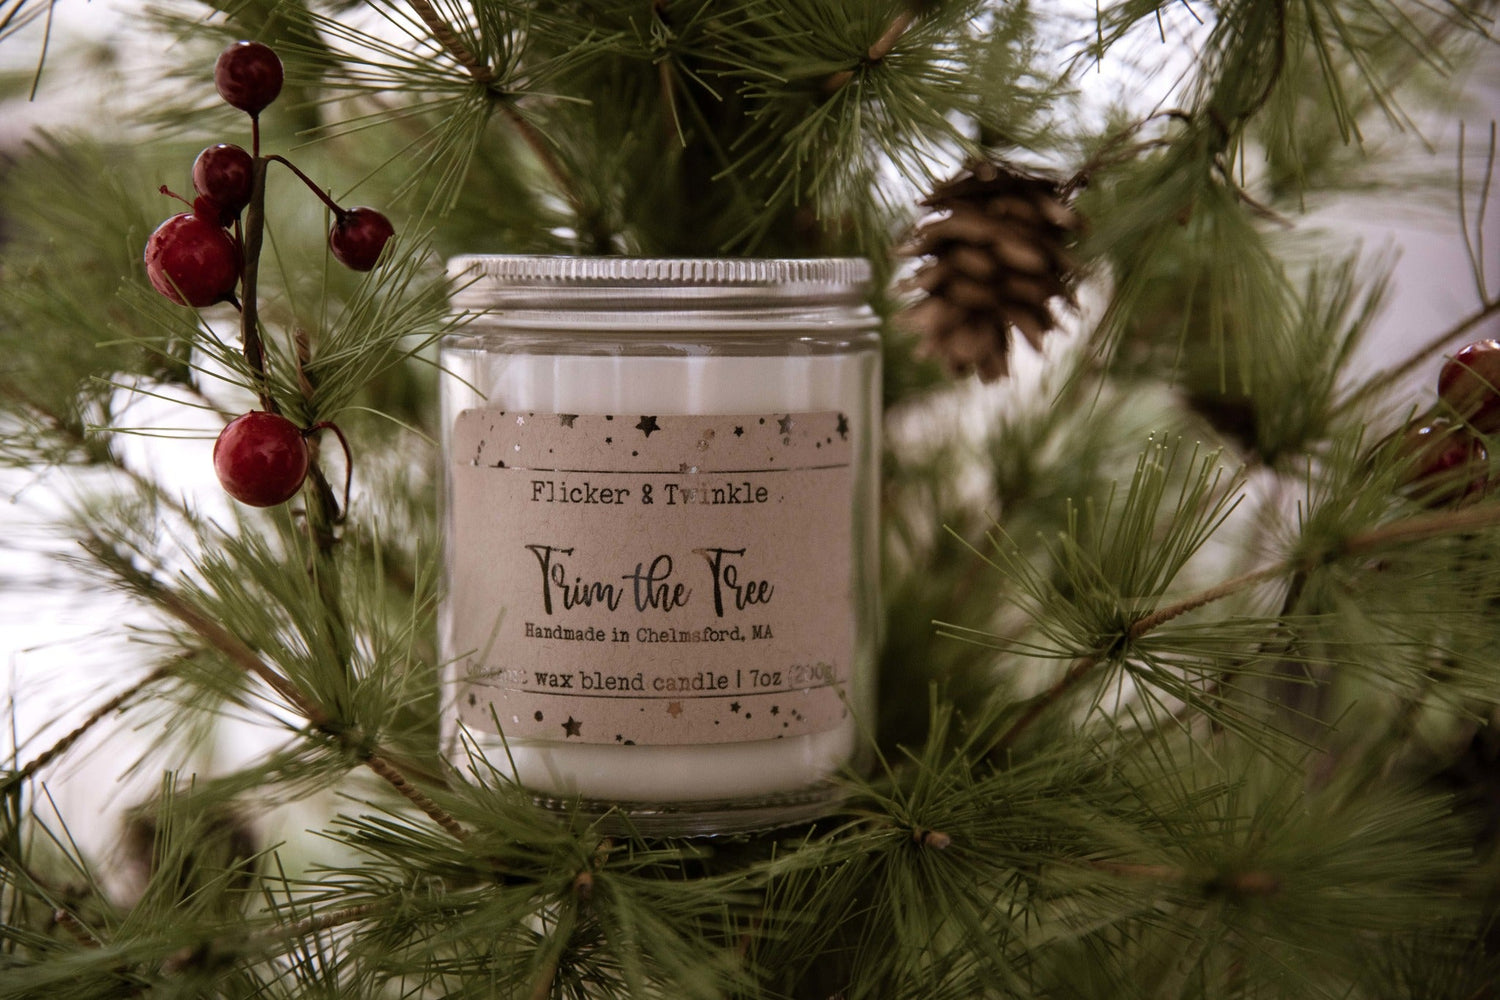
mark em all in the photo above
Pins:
pixel 1448 462
pixel 261 459
pixel 357 237
pixel 224 173
pixel 1470 383
pixel 192 261
pixel 209 210
pixel 248 76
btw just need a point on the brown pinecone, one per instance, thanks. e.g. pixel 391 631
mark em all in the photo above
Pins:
pixel 997 257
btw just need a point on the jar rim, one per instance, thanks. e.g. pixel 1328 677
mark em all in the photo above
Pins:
pixel 833 277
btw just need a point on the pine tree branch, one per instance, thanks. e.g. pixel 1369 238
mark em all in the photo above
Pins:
pixel 313 924
pixel 1159 617
pixel 75 928
pixel 542 988
pixel 383 767
pixel 1244 883
pixel 1084 666
pixel 935 840
pixel 445 35
pixel 241 654
pixel 877 51
pixel 99 714
pixel 1412 529
pixel 1419 357
pixel 1422 527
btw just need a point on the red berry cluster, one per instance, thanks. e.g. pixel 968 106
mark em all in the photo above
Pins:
pixel 198 258
pixel 1448 455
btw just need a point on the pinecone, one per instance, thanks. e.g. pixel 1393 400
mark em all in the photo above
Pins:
pixel 998 256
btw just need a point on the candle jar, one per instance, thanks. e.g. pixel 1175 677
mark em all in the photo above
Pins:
pixel 661 531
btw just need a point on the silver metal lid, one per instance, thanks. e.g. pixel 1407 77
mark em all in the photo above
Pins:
pixel 503 282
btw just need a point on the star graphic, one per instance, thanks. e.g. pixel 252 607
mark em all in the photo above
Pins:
pixel 566 419
pixel 785 423
pixel 572 727
pixel 734 706
pixel 647 425
pixel 843 427
pixel 775 709
pixel 739 432
pixel 674 709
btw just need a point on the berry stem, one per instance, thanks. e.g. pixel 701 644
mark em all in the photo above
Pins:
pixel 327 200
pixel 173 194
pixel 255 225
pixel 329 425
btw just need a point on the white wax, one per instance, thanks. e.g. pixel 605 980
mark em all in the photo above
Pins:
pixel 680 385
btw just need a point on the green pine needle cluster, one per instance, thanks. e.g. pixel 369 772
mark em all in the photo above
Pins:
pixel 1189 668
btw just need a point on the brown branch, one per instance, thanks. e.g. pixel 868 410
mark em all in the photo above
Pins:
pixel 1413 529
pixel 1084 666
pixel 542 988
pixel 99 714
pixel 447 37
pixel 1245 883
pixel 881 48
pixel 241 654
pixel 1422 527
pixel 231 646
pixel 1161 616
pixel 1421 355
pixel 1078 671
pixel 383 767
pixel 937 840
pixel 313 924
pixel 482 73
pixel 75 928
pixel 543 152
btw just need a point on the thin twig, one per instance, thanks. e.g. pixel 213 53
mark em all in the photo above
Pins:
pixel 1420 356
pixel 543 152
pixel 383 767
pixel 542 988
pixel 313 924
pixel 1080 669
pixel 1246 883
pixel 1413 529
pixel 447 37
pixel 877 51
pixel 75 928
pixel 1422 527
pixel 231 646
pixel 1161 616
pixel 99 714
pixel 482 73
pixel 241 654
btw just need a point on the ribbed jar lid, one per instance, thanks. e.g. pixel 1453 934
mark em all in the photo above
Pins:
pixel 531 282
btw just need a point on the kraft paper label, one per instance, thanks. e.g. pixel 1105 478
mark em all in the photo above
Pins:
pixel 646 579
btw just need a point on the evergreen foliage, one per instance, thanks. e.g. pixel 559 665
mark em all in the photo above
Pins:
pixel 1211 661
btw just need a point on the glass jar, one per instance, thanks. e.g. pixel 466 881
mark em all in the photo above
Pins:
pixel 661 530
